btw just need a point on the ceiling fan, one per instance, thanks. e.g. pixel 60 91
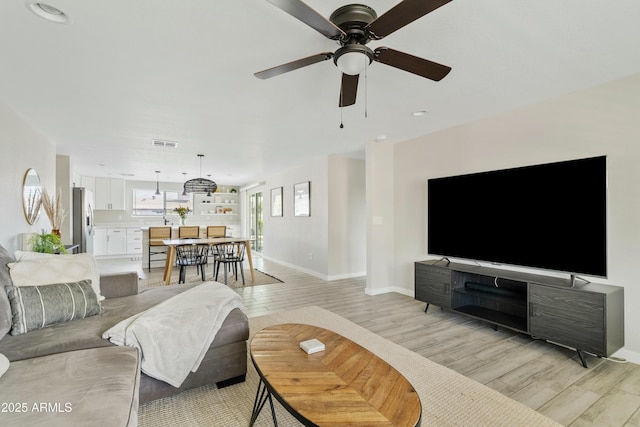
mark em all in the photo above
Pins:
pixel 353 26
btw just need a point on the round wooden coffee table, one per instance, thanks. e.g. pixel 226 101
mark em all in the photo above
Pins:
pixel 345 384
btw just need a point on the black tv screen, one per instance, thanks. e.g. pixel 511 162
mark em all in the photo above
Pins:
pixel 551 216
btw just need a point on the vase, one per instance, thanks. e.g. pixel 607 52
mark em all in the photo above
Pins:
pixel 56 232
pixel 183 220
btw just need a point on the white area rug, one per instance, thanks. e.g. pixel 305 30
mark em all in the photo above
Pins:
pixel 448 398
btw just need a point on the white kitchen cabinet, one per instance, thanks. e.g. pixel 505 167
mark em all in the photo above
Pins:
pixel 116 241
pixel 109 194
pixel 100 242
pixel 108 241
pixel 88 182
pixel 134 241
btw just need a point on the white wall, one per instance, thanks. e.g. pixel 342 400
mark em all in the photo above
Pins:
pixel 330 243
pixel 347 217
pixel 299 242
pixel 599 121
pixel 21 147
pixel 380 220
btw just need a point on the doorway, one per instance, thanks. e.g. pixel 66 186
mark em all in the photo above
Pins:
pixel 255 221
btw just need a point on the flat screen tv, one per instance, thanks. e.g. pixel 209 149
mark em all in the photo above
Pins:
pixel 550 216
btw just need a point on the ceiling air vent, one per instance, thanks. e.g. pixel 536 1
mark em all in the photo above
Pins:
pixel 158 143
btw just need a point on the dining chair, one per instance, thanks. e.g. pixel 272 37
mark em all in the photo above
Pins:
pixel 156 247
pixel 230 255
pixel 216 231
pixel 192 254
pixel 189 232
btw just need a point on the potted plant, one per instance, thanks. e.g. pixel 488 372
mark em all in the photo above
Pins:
pixel 183 211
pixel 49 243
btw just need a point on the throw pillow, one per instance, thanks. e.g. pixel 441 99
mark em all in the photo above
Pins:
pixel 5 280
pixel 44 269
pixel 29 255
pixel 34 307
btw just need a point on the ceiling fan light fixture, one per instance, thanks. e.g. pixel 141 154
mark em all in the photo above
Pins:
pixel 353 59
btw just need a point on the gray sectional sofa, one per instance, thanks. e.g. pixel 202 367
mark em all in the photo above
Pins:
pixel 76 377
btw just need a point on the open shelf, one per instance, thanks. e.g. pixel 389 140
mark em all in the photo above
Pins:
pixel 494 316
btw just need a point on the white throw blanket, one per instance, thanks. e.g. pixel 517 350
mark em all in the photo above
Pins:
pixel 174 335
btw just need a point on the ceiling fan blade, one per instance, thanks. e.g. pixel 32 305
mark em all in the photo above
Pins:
pixel 309 16
pixel 413 64
pixel 400 15
pixel 290 66
pixel 348 90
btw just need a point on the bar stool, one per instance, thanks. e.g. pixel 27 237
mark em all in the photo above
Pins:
pixel 216 231
pixel 189 232
pixel 156 247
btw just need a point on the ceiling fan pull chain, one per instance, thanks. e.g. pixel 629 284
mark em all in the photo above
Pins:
pixel 366 86
pixel 341 107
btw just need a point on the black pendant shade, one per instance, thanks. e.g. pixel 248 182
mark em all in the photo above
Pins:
pixel 200 185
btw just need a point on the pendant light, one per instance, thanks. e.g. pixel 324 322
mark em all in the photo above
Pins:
pixel 200 185
pixel 157 183
pixel 209 192
pixel 184 180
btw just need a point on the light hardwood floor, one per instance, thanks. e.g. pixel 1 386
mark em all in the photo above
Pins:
pixel 545 377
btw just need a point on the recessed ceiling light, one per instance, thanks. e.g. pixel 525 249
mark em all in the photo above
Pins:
pixel 419 113
pixel 48 12
pixel 381 138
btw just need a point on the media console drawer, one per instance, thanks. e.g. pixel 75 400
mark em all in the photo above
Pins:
pixel 433 285
pixel 578 318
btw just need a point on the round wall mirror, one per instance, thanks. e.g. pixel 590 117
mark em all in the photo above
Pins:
pixel 31 196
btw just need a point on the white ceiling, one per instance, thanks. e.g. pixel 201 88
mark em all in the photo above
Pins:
pixel 124 72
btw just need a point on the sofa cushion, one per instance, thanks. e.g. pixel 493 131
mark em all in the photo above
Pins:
pixel 81 388
pixel 87 333
pixel 5 280
pixel 35 269
pixel 34 307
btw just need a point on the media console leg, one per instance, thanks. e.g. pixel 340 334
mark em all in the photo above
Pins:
pixel 426 308
pixel 581 356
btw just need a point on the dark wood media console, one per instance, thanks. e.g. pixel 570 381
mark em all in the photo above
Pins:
pixel 587 317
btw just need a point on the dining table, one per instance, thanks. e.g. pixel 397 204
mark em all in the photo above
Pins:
pixel 172 243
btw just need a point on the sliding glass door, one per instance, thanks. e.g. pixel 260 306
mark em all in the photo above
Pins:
pixel 255 221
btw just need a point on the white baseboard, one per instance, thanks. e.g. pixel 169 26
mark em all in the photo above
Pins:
pixel 347 276
pixel 315 273
pixel 388 289
pixel 630 356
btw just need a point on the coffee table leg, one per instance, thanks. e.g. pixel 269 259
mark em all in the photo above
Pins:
pixel 262 395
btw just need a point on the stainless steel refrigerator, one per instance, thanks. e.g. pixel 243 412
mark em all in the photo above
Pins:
pixel 82 216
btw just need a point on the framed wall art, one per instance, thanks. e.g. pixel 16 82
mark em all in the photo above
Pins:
pixel 302 199
pixel 276 201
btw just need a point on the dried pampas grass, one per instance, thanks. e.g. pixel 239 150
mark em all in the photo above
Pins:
pixel 52 206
